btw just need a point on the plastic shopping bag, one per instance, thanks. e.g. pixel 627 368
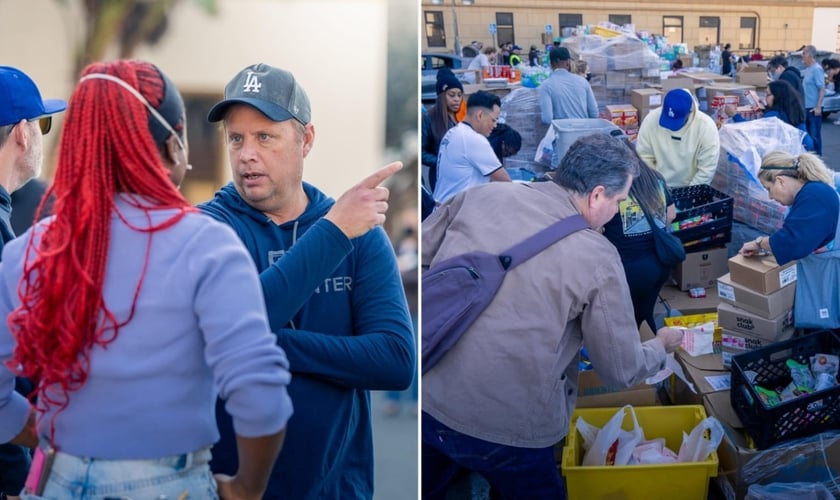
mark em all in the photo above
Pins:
pixel 546 154
pixel 613 445
pixel 696 447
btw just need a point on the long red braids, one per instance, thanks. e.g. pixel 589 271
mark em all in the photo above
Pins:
pixel 106 148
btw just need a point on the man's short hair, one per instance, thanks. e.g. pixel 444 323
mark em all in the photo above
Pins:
pixel 597 160
pixel 559 54
pixel 482 99
pixel 810 50
pixel 777 61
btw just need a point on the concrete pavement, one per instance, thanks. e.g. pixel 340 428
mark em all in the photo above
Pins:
pixel 396 452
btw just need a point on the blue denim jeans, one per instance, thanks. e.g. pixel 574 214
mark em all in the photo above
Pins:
pixel 513 472
pixel 814 125
pixel 169 477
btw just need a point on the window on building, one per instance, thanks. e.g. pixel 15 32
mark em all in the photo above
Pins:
pixel 504 27
pixel 568 23
pixel 746 37
pixel 620 19
pixel 203 137
pixel 709 30
pixel 435 34
pixel 672 29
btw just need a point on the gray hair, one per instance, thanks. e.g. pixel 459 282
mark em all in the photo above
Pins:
pixel 810 50
pixel 597 160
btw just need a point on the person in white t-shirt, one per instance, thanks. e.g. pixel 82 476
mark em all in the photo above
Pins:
pixel 465 157
pixel 483 60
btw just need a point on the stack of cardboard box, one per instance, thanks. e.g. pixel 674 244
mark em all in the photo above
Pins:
pixel 625 117
pixel 756 306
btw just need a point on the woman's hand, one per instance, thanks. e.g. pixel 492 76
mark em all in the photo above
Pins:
pixel 230 489
pixel 753 248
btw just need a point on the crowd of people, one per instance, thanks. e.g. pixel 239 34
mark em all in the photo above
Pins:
pixel 486 424
pixel 276 304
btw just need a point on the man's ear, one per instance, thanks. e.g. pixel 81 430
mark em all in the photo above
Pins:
pixel 597 195
pixel 20 134
pixel 308 138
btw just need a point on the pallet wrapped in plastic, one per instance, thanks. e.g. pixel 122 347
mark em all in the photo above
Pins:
pixel 743 145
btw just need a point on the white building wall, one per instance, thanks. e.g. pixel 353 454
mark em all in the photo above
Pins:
pixel 336 49
pixel 826 25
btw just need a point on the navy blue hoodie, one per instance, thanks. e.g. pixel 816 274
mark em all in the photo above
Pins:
pixel 340 313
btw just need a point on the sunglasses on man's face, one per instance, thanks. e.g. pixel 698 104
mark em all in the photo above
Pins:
pixel 45 124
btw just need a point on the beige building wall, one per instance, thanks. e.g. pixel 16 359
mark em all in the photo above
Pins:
pixel 780 25
pixel 336 49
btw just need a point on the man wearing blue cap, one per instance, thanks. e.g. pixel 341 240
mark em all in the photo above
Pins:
pixel 679 141
pixel 24 118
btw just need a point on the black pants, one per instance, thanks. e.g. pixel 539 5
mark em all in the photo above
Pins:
pixel 645 276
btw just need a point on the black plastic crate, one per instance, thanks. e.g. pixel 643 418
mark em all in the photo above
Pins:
pixel 703 201
pixel 803 416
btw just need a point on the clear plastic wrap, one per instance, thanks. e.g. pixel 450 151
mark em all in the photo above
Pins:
pixel 620 52
pixel 787 491
pixel 521 111
pixel 810 459
pixel 749 141
pixel 743 145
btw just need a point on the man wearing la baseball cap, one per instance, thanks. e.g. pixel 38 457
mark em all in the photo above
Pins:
pixel 331 285
pixel 24 118
pixel 679 141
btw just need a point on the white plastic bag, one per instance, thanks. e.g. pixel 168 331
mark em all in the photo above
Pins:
pixel 545 150
pixel 653 452
pixel 613 445
pixel 696 447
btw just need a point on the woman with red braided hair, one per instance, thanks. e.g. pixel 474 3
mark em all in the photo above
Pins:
pixel 133 311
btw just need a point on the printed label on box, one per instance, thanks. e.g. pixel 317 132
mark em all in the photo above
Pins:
pixel 720 382
pixel 726 292
pixel 740 343
pixel 787 276
pixel 655 100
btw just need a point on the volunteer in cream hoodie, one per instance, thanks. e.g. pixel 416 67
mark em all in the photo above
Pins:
pixel 680 141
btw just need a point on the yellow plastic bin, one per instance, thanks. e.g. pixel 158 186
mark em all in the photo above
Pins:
pixel 685 481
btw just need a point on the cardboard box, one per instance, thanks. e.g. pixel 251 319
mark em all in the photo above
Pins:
pixel 766 306
pixel 706 78
pixel 595 393
pixel 705 372
pixel 761 274
pixel 813 459
pixel 645 100
pixel 623 115
pixel 676 302
pixel 734 343
pixel 700 269
pixel 739 320
pixel 721 88
pixel 753 99
pixel 677 83
pixel 752 75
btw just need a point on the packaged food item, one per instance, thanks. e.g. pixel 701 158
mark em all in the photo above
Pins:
pixel 699 339
pixel 824 368
pixel 768 397
pixel 801 376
